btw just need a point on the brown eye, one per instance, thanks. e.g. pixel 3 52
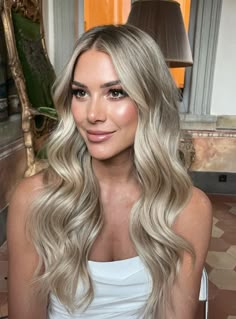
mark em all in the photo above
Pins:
pixel 117 93
pixel 79 93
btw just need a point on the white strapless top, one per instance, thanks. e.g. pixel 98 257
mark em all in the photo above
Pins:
pixel 121 289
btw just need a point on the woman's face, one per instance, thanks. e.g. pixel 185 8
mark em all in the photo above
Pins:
pixel 103 112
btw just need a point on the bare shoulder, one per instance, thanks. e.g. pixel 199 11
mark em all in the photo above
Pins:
pixel 199 201
pixel 18 212
pixel 22 252
pixel 19 206
pixel 197 210
pixel 29 184
pixel 194 223
pixel 26 191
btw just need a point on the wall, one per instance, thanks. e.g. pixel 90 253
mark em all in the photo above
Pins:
pixel 224 85
pixel 60 31
pixel 216 147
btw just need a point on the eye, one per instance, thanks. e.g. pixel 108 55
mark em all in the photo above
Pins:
pixel 117 93
pixel 79 93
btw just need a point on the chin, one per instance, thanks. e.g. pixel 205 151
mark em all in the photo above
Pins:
pixel 105 155
pixel 101 157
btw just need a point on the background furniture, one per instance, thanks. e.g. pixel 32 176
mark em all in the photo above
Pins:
pixel 32 72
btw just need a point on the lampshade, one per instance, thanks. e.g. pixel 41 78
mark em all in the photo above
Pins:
pixel 162 19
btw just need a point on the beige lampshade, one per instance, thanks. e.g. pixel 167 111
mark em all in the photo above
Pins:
pixel 162 19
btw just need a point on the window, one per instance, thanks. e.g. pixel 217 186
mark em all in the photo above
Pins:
pixel 179 73
pixel 203 34
pixel 65 20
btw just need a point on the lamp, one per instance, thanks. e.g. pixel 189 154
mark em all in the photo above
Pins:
pixel 162 19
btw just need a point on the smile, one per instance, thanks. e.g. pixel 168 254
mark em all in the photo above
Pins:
pixel 98 136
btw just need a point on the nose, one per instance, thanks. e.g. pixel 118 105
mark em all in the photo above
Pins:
pixel 96 110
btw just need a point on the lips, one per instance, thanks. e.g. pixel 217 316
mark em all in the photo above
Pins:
pixel 98 136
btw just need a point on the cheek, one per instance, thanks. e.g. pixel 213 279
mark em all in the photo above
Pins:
pixel 126 115
pixel 77 113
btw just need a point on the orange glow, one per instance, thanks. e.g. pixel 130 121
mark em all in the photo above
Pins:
pixel 179 73
pixel 97 12
pixel 105 12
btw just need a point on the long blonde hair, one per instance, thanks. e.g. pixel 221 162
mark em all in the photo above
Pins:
pixel 67 216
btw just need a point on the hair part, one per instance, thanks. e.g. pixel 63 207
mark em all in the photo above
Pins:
pixel 67 217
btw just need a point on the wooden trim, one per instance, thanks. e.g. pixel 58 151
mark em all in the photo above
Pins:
pixel 33 11
pixel 18 76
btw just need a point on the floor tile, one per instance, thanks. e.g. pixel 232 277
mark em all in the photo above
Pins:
pixel 227 224
pixel 232 208
pixel 222 198
pixel 217 232
pixel 213 291
pixel 223 279
pixel 233 211
pixel 218 244
pixel 229 237
pixel 219 210
pixel 215 220
pixel 220 260
pixel 228 298
pixel 208 268
pixel 216 311
pixel 232 251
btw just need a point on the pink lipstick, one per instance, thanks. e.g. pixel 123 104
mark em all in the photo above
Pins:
pixel 98 136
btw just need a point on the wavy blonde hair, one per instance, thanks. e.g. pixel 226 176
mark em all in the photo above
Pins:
pixel 67 216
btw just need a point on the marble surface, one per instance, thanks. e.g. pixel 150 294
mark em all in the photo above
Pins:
pixel 214 153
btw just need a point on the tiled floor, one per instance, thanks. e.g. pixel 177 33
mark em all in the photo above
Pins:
pixel 220 263
pixel 221 259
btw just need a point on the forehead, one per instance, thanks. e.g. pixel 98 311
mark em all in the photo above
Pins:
pixel 95 65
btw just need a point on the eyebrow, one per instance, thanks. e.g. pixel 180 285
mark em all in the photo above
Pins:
pixel 105 85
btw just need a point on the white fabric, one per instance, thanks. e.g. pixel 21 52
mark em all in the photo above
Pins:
pixel 121 289
pixel 203 295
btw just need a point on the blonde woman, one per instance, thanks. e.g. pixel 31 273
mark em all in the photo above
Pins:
pixel 113 228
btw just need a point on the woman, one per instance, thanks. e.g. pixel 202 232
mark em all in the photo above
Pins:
pixel 113 228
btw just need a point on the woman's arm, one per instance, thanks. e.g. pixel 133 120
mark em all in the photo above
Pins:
pixel 22 257
pixel 194 224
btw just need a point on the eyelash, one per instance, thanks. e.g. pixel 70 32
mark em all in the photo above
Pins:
pixel 119 92
pixel 77 93
pixel 114 94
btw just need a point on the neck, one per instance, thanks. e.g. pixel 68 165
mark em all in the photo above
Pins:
pixel 117 180
pixel 114 171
